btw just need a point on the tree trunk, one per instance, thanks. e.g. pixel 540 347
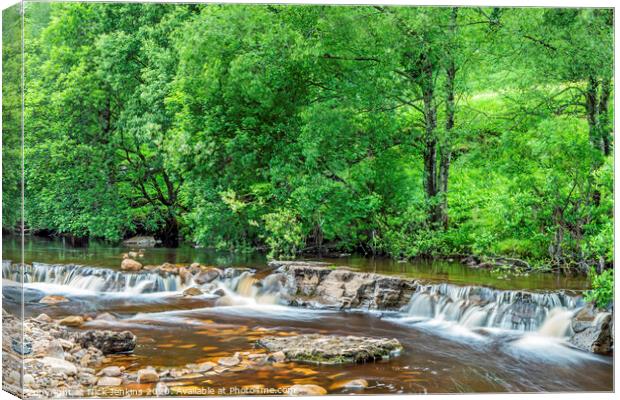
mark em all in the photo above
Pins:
pixel 604 125
pixel 169 235
pixel 592 113
pixel 430 141
pixel 446 146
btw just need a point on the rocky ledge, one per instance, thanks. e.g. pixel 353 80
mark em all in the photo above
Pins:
pixel 592 330
pixel 323 349
pixel 318 285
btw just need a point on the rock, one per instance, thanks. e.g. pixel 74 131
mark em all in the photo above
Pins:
pixel 207 276
pixel 53 299
pixel 141 241
pixel 28 380
pixel 109 342
pixel 185 275
pixel 169 268
pixel 204 367
pixel 278 356
pixel 192 291
pixel 306 390
pixel 341 288
pixel 111 371
pixel 72 320
pixel 352 384
pixel 44 318
pixel 228 361
pixel 592 331
pixel 59 366
pixel 147 375
pixel 109 381
pixel 161 389
pixel 106 317
pixel 324 349
pixel 55 350
pixel 131 265
pixel 132 254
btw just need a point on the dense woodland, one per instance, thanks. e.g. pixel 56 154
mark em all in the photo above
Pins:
pixel 400 131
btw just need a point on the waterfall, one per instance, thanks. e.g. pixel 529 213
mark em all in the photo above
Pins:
pixel 92 278
pixel 478 307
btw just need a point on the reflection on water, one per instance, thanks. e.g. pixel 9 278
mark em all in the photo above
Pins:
pixel 456 337
pixel 57 251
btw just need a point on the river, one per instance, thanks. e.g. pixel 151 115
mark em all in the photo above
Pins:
pixel 450 345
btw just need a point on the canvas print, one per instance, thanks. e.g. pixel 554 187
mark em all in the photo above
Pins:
pixel 297 199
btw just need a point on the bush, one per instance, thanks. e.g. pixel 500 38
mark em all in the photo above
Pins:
pixel 602 292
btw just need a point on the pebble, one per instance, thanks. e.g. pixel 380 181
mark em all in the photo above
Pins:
pixel 109 381
pixel 110 371
pixel 228 361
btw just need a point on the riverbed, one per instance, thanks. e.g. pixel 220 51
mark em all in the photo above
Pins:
pixel 471 353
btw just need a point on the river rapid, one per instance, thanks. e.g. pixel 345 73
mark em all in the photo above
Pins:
pixel 459 331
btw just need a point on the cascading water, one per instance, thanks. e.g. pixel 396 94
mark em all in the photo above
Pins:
pixel 478 307
pixel 468 306
pixel 92 278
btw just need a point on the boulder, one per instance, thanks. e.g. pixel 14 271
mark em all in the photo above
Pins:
pixel 109 342
pixel 207 276
pixel 147 375
pixel 592 330
pixel 306 390
pixel 53 299
pixel 341 288
pixel 72 320
pixel 329 349
pixel 130 265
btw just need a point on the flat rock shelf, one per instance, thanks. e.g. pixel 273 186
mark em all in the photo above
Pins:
pixel 332 349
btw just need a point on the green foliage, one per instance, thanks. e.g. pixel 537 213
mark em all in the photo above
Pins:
pixel 312 128
pixel 602 292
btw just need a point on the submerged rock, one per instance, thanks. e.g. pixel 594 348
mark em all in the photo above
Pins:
pixel 147 375
pixel 352 384
pixel 323 349
pixel 109 342
pixel 306 390
pixel 53 299
pixel 192 291
pixel 228 361
pixel 592 331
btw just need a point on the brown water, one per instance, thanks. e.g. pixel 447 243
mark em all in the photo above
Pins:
pixel 438 357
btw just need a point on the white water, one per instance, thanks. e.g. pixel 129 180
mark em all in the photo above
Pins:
pixel 455 310
pixel 480 307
